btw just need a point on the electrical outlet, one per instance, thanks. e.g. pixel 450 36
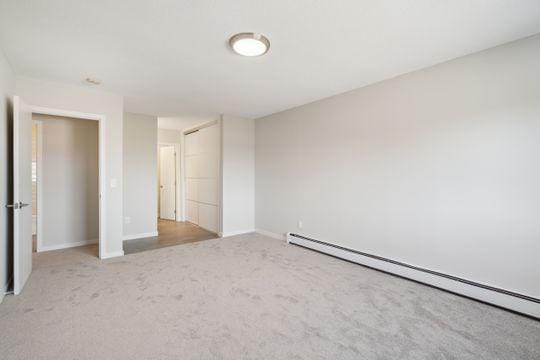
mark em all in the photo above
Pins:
pixel 300 224
pixel 127 220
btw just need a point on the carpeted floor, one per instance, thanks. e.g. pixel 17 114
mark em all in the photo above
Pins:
pixel 246 297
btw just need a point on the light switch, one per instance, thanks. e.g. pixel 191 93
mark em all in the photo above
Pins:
pixel 114 183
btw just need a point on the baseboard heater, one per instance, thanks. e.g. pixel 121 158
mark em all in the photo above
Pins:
pixel 507 299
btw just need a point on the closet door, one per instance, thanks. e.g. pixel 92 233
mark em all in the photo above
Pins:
pixel 192 212
pixel 191 149
pixel 202 152
pixel 209 169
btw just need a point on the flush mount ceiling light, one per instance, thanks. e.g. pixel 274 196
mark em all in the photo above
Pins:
pixel 249 44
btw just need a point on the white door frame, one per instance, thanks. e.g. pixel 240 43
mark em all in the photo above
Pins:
pixel 178 215
pixel 39 184
pixel 102 166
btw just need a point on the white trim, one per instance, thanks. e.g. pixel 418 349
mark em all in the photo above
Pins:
pixel 34 221
pixel 234 233
pixel 68 245
pixel 111 255
pixel 39 185
pixel 220 186
pixel 273 235
pixel 65 113
pixel 201 126
pixel 475 292
pixel 140 236
pixel 182 179
pixel 102 167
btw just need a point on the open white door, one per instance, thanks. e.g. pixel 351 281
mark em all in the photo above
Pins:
pixel 22 193
pixel 167 183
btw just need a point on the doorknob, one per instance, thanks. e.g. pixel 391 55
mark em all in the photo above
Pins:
pixel 17 205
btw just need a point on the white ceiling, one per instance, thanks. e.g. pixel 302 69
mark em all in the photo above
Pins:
pixel 170 57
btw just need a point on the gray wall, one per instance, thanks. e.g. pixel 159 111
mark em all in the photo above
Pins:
pixel 7 86
pixel 169 136
pixel 70 193
pixel 438 168
pixel 140 174
pixel 238 170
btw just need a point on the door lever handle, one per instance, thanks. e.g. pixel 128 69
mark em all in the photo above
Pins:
pixel 17 205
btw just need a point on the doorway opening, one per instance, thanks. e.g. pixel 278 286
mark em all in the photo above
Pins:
pixel 65 183
pixel 188 186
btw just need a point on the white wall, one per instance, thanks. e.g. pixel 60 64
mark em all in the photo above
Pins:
pixel 238 168
pixel 7 87
pixel 140 175
pixel 70 183
pixel 439 168
pixel 83 99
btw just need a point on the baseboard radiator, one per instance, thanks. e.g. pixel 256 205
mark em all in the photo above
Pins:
pixel 503 298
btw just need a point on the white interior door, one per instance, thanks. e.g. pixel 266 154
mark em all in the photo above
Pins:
pixel 167 183
pixel 22 194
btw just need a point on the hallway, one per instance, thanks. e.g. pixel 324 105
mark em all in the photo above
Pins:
pixel 170 233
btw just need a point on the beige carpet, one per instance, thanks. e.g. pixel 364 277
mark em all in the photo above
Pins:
pixel 246 297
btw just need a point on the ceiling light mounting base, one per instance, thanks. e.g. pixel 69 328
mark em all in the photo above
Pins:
pixel 249 44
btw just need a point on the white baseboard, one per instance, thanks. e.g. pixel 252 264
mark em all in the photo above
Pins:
pixel 111 255
pixel 271 234
pixel 470 290
pixel 140 236
pixel 234 233
pixel 66 245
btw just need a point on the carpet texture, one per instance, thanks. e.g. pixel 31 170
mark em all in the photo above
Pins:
pixel 246 297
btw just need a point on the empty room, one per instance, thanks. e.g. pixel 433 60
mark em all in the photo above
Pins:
pixel 304 179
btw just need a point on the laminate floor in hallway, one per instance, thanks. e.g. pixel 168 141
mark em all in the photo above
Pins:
pixel 170 233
